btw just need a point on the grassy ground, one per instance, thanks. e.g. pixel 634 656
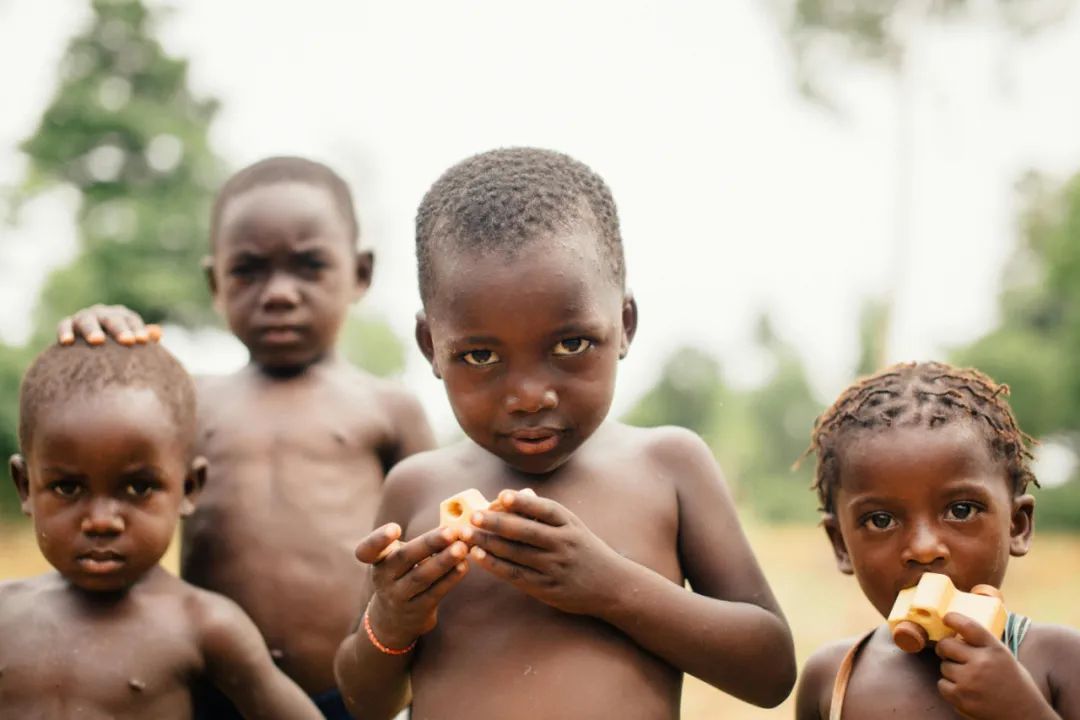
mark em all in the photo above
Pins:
pixel 820 603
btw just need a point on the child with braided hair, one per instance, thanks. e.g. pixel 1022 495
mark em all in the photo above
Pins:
pixel 922 468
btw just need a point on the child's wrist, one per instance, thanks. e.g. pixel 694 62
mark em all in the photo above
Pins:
pixel 385 636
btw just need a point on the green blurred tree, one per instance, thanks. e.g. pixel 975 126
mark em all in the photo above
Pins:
pixel 879 33
pixel 1036 347
pixel 756 434
pixel 124 129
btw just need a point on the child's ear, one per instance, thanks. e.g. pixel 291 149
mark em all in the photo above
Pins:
pixel 1023 524
pixel 629 323
pixel 21 476
pixel 207 265
pixel 839 547
pixel 424 342
pixel 193 485
pixel 365 266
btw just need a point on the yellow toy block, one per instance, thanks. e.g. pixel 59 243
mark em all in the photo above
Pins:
pixel 917 616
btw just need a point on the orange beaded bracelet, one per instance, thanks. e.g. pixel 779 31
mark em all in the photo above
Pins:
pixel 378 645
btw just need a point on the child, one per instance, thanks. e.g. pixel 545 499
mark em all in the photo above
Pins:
pixel 108 467
pixel 298 441
pixel 579 608
pixel 922 468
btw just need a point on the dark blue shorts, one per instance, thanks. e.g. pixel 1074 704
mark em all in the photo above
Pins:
pixel 211 704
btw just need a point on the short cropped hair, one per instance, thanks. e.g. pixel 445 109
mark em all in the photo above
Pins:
pixel 926 394
pixel 502 199
pixel 283 169
pixel 61 373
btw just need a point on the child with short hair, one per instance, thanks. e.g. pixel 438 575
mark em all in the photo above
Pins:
pixel 299 441
pixel 577 606
pixel 921 468
pixel 107 469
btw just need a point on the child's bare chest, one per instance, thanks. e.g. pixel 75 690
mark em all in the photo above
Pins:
pixel 56 662
pixel 888 683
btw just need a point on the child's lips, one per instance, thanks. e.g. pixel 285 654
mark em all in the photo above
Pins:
pixel 535 441
pixel 281 335
pixel 101 562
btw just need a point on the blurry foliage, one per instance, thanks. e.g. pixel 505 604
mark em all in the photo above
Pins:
pixel 124 130
pixel 1036 348
pixel 755 434
pixel 878 31
pixel 370 343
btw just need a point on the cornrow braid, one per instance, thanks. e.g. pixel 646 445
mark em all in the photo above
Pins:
pixel 928 394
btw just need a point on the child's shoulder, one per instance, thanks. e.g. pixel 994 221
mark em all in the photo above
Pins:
pixel 673 452
pixel 1052 651
pixel 818 676
pixel 30 591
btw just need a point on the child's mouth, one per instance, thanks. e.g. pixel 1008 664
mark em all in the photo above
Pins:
pixel 534 442
pixel 99 562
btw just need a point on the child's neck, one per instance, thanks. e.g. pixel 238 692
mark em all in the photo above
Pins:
pixel 289 372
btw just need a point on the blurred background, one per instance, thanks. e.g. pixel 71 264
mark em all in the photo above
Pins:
pixel 809 189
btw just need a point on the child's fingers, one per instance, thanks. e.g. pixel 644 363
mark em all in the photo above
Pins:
pixel 515 552
pixel 954 649
pixel 972 632
pixel 117 328
pixel 153 332
pixel 948 690
pixel 421 577
pixel 515 527
pixel 510 572
pixel 443 585
pixel 89 328
pixel 419 549
pixel 374 547
pixel 529 504
pixel 65 331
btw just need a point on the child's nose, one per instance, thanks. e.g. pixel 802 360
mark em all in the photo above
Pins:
pixel 280 292
pixel 530 395
pixel 103 519
pixel 924 545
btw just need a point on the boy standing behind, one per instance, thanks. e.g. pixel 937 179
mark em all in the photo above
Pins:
pixel 578 607
pixel 107 468
pixel 298 441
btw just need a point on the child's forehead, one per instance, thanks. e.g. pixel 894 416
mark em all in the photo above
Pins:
pixel 121 411
pixel 278 206
pixel 569 262
pixel 877 458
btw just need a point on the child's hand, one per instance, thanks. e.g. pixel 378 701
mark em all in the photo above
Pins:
pixel 982 679
pixel 544 550
pixel 410 579
pixel 92 323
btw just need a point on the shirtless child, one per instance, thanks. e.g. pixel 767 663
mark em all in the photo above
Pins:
pixel 575 605
pixel 299 441
pixel 107 469
pixel 922 468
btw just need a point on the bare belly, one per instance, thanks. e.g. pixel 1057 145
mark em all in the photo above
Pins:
pixel 547 664
pixel 286 557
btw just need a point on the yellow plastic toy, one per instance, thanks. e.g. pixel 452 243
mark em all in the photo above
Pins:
pixel 457 509
pixel 917 615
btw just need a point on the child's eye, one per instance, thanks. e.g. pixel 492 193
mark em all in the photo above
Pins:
pixel 140 488
pixel 879 521
pixel 572 346
pixel 480 358
pixel 66 488
pixel 961 511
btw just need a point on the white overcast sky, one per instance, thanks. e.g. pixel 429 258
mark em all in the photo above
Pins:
pixel 736 194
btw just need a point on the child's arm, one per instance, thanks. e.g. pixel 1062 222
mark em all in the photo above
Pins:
pixel 239 664
pixel 983 681
pixel 814 695
pixel 729 631
pixel 407 581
